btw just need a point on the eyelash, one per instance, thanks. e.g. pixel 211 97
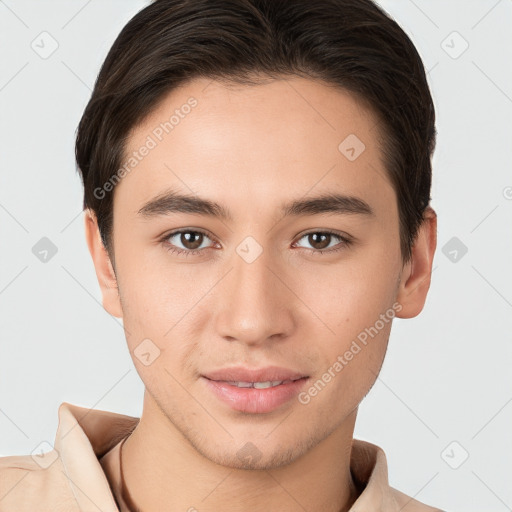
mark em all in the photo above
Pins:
pixel 345 242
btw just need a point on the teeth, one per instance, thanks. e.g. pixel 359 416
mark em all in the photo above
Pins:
pixel 269 384
pixel 242 384
pixel 257 385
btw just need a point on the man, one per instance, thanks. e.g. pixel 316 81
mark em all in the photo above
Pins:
pixel 256 192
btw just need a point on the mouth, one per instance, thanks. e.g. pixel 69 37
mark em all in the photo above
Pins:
pixel 258 384
pixel 255 397
pixel 249 377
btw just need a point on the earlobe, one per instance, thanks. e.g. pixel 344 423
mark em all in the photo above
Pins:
pixel 102 265
pixel 416 274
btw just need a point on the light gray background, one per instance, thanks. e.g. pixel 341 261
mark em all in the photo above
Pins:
pixel 447 374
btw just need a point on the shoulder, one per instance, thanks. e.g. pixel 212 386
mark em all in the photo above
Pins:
pixel 69 478
pixel 34 482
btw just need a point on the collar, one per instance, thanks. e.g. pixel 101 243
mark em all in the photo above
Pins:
pixel 85 435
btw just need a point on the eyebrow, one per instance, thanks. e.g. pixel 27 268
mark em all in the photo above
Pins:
pixel 173 201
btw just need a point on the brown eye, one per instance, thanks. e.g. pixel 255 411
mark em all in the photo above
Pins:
pixel 191 239
pixel 319 240
pixel 185 241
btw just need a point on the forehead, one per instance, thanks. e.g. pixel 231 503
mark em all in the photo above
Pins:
pixel 233 142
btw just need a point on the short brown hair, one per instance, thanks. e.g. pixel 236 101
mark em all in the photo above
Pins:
pixel 352 44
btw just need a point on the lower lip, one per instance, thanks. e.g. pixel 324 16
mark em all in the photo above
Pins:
pixel 254 400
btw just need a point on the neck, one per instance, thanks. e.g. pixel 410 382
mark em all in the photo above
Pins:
pixel 162 470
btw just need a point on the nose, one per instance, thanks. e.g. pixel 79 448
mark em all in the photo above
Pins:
pixel 255 302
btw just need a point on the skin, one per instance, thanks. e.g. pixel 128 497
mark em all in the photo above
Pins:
pixel 251 148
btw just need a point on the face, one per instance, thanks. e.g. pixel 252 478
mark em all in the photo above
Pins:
pixel 297 264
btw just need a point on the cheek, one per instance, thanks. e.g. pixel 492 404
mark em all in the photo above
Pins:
pixel 158 306
pixel 154 334
pixel 349 297
pixel 153 297
pixel 351 356
pixel 356 304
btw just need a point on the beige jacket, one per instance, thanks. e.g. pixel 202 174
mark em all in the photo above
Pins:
pixel 72 477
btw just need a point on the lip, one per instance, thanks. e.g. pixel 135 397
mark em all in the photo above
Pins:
pixel 253 400
pixel 241 374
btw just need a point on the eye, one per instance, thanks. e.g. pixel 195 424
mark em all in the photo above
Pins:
pixel 191 241
pixel 322 239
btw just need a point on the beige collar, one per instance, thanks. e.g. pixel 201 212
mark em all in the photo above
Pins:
pixel 83 436
pixel 86 435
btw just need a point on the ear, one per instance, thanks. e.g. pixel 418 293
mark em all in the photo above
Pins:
pixel 104 270
pixel 415 276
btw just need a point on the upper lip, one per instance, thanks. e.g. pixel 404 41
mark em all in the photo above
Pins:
pixel 240 374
